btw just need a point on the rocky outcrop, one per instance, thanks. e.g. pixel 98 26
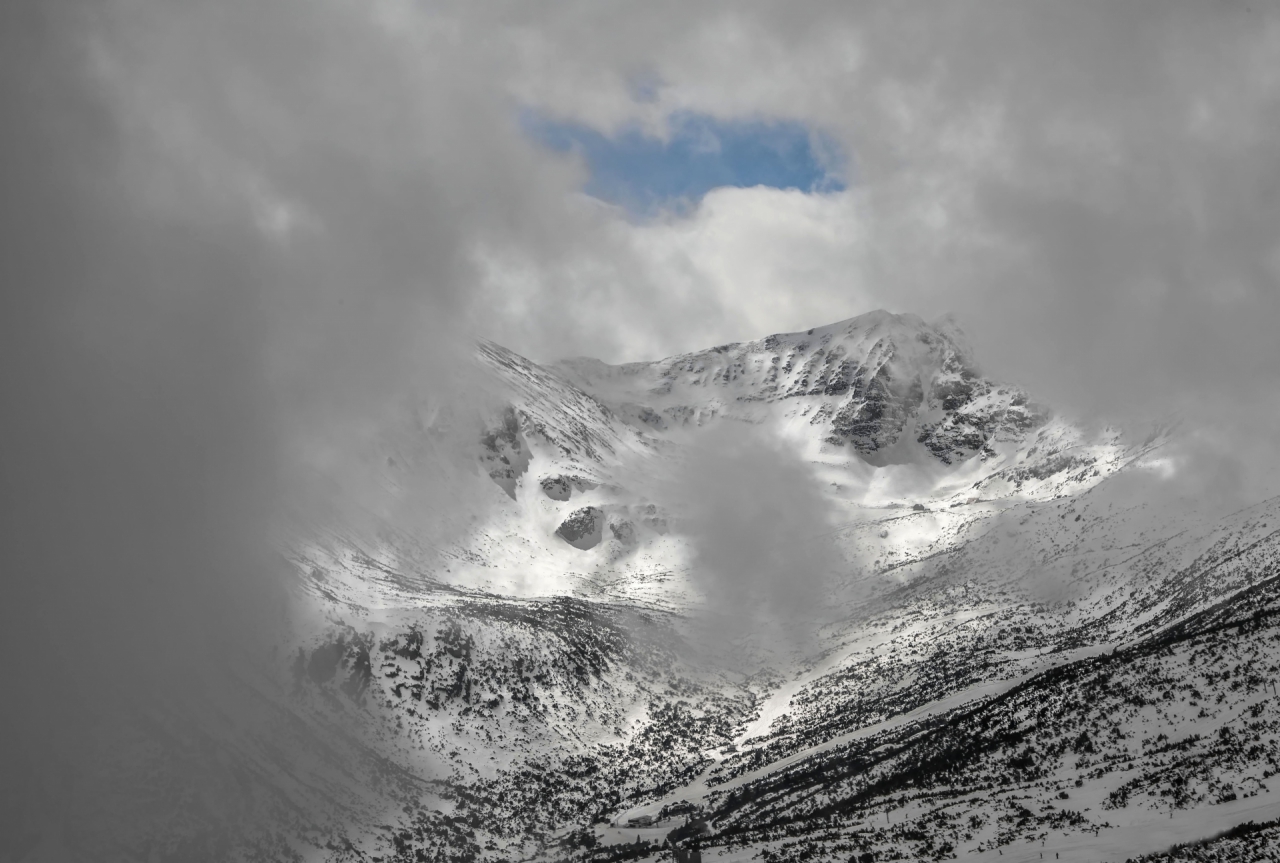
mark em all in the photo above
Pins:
pixel 505 453
pixel 878 385
pixel 584 528
pixel 563 487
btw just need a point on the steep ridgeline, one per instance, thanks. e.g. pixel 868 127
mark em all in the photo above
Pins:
pixel 913 447
pixel 874 384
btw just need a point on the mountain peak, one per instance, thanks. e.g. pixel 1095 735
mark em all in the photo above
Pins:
pixel 875 384
pixel 874 318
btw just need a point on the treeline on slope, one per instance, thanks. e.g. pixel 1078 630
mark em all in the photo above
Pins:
pixel 1250 842
pixel 984 773
pixel 506 675
pixel 1098 717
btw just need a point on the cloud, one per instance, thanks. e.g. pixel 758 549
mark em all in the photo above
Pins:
pixel 236 235
pixel 1089 189
pixel 759 527
pixel 235 242
pixel 743 264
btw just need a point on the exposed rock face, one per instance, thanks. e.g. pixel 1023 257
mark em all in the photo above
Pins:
pixel 505 453
pixel 874 384
pixel 562 487
pixel 584 528
pixel 556 487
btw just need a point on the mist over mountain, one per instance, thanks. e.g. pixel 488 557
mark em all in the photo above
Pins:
pixel 317 547
pixel 825 594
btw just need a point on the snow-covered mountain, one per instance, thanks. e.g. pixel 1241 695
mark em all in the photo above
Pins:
pixel 882 386
pixel 1026 648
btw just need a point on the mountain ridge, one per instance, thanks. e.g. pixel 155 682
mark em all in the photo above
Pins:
pixel 1025 644
pixel 867 382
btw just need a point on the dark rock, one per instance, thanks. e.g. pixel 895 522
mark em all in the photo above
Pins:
pixel 556 487
pixel 562 487
pixel 583 529
pixel 504 451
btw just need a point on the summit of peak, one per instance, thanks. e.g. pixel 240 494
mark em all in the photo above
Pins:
pixel 877 320
pixel 878 384
pixel 880 317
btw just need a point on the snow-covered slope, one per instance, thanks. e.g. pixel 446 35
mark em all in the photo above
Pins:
pixel 1026 647
pixel 913 449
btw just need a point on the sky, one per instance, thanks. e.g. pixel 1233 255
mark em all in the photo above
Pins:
pixel 647 173
pixel 235 233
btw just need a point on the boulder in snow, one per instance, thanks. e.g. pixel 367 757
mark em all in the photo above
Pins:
pixel 583 528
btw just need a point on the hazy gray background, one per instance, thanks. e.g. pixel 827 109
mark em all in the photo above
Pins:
pixel 235 233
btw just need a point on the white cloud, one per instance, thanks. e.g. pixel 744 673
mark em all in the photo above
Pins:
pixel 1078 186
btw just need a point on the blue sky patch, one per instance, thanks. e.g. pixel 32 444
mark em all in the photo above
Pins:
pixel 642 173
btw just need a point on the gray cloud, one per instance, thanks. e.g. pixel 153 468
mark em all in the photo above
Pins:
pixel 758 525
pixel 1013 163
pixel 236 234
pixel 135 437
pixel 235 241
pixel 1091 189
